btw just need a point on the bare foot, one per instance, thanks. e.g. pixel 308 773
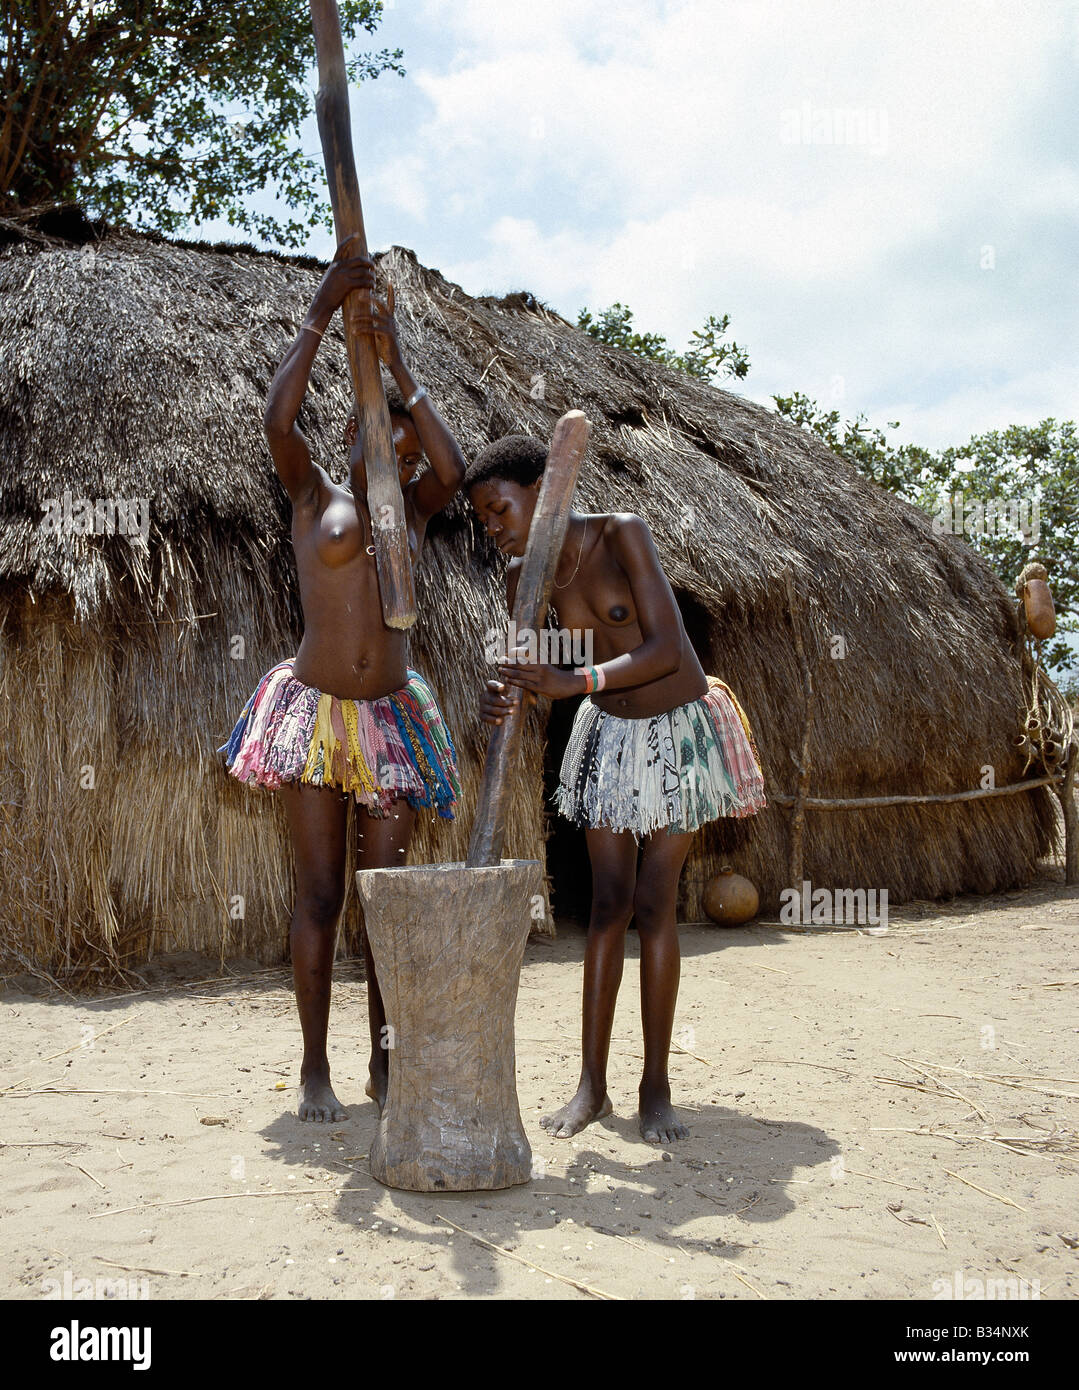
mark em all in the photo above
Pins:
pixel 581 1111
pixel 318 1102
pixel 659 1124
pixel 376 1088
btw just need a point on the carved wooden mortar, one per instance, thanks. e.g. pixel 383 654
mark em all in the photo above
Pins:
pixel 448 942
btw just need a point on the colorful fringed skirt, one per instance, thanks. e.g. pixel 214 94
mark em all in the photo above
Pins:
pixel 377 750
pixel 677 770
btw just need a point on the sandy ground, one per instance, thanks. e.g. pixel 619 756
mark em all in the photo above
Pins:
pixel 166 1151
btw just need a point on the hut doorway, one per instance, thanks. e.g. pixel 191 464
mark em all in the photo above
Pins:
pixel 698 624
pixel 567 852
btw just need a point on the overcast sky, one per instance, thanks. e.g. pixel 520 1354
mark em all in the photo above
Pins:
pixel 884 197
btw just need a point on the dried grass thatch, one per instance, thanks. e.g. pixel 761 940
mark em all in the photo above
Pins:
pixel 134 366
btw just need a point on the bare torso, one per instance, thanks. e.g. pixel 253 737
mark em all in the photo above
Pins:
pixel 599 598
pixel 347 650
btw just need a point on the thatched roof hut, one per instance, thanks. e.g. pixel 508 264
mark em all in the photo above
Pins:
pixel 134 367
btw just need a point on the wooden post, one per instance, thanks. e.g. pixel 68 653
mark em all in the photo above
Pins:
pixel 545 540
pixel 384 500
pixel 802 788
pixel 1066 791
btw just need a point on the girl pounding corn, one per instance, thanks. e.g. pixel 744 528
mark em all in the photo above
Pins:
pixel 346 716
pixel 657 750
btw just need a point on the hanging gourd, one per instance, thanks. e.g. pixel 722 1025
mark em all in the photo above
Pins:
pixel 1037 601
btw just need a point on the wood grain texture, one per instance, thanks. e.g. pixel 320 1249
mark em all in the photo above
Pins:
pixel 447 943
pixel 545 539
pixel 384 500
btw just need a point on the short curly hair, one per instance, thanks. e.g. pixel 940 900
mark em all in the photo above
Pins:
pixel 516 458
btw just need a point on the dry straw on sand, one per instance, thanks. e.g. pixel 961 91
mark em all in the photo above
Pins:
pixel 137 367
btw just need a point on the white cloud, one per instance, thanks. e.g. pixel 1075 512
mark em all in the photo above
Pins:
pixel 643 152
pixel 402 185
pixel 1022 403
pixel 651 161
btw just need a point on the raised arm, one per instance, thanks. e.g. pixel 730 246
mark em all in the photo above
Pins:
pixel 291 456
pixel 435 488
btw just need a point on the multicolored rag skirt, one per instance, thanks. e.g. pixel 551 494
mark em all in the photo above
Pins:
pixel 396 746
pixel 680 769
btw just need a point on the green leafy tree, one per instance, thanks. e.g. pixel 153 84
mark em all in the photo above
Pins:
pixel 708 356
pixel 1029 473
pixel 1012 494
pixel 897 468
pixel 167 114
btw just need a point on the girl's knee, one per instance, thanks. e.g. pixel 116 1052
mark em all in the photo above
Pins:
pixel 611 908
pixel 319 905
pixel 654 907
